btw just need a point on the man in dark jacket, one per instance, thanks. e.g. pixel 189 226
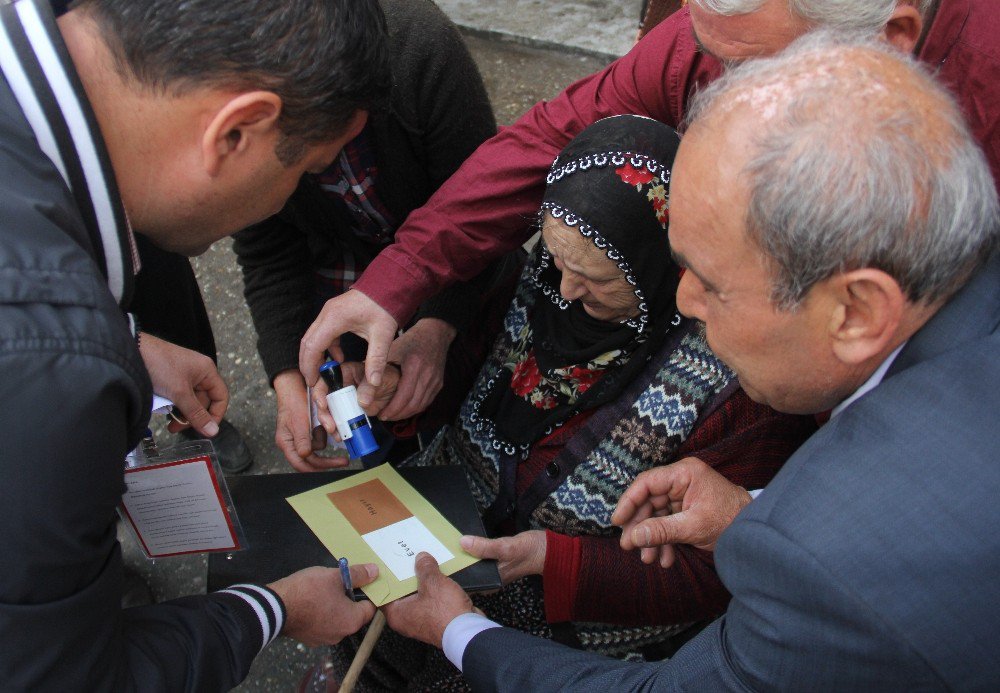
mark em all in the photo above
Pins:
pixel 185 121
pixel 338 221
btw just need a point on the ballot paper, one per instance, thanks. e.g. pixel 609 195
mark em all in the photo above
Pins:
pixel 375 516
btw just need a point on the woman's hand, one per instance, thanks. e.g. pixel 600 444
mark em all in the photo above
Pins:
pixel 517 556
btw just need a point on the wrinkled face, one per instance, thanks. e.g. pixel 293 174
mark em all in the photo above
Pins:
pixel 783 358
pixel 588 275
pixel 734 38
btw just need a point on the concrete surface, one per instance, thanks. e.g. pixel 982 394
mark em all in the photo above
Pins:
pixel 605 28
pixel 517 75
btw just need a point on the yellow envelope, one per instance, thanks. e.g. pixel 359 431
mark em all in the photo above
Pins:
pixel 376 517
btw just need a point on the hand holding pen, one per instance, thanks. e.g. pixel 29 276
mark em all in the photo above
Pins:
pixel 312 616
pixel 345 577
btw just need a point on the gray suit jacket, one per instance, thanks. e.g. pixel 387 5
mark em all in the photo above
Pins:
pixel 871 562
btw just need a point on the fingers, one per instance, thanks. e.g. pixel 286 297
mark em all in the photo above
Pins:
pixel 298 452
pixel 322 335
pixel 657 489
pixel 292 432
pixel 653 483
pixel 427 570
pixel 363 574
pixel 320 463
pixel 658 531
pixel 378 352
pixel 197 415
pixel 667 556
pixel 481 547
pixel 353 372
pixel 215 388
pixel 365 611
pixel 318 438
pixel 629 512
pixel 367 399
pixel 401 404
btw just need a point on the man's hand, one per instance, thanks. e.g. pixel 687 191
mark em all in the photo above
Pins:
pixel 686 502
pixel 424 615
pixel 188 379
pixel 421 353
pixel 318 611
pixel 354 374
pixel 516 556
pixel 354 312
pixel 293 433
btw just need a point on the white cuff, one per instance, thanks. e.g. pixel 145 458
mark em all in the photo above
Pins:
pixel 755 492
pixel 460 633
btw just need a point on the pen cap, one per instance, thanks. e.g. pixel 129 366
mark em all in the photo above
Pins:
pixel 331 375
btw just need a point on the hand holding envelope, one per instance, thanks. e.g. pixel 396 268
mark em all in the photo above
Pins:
pixel 377 517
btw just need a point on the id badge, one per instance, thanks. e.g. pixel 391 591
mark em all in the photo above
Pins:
pixel 177 502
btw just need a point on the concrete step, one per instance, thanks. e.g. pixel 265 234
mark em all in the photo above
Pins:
pixel 604 28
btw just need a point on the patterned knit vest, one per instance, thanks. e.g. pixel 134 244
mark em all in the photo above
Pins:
pixel 661 410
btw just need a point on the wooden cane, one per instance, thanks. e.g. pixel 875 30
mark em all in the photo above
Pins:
pixel 364 652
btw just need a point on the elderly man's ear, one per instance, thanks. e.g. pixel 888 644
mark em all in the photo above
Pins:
pixel 868 309
pixel 904 27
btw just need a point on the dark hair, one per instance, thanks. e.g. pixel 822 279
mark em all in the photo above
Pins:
pixel 325 59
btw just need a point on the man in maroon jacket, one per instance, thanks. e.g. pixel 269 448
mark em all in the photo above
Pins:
pixel 479 212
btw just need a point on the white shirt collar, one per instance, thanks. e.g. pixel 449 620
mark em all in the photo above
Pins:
pixel 869 384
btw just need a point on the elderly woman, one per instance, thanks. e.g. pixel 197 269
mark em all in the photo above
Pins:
pixel 595 379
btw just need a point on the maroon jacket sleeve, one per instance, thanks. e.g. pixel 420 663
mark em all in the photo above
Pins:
pixel 487 207
pixel 593 579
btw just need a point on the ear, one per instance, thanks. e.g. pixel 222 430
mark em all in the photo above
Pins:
pixel 237 124
pixel 354 127
pixel 868 311
pixel 904 27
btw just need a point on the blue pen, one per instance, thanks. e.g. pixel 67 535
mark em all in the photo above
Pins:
pixel 345 576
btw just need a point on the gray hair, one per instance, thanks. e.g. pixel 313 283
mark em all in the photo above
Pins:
pixel 868 16
pixel 848 169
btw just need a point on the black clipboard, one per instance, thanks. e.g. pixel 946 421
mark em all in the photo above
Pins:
pixel 279 543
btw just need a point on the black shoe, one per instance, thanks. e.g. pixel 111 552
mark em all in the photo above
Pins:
pixel 234 455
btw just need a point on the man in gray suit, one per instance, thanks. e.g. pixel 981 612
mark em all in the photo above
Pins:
pixel 840 232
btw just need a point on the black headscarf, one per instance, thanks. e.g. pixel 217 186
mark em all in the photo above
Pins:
pixel 610 183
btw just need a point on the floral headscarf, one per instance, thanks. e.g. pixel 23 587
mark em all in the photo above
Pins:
pixel 611 184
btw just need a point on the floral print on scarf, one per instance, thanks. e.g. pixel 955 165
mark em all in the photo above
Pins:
pixel 558 386
pixel 657 193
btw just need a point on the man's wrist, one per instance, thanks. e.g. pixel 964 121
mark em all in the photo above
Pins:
pixel 459 633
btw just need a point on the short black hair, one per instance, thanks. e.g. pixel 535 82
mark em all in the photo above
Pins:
pixel 325 59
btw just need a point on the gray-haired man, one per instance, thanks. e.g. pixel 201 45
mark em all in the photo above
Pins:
pixel 840 229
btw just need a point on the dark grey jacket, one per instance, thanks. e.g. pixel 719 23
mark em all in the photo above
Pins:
pixel 74 398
